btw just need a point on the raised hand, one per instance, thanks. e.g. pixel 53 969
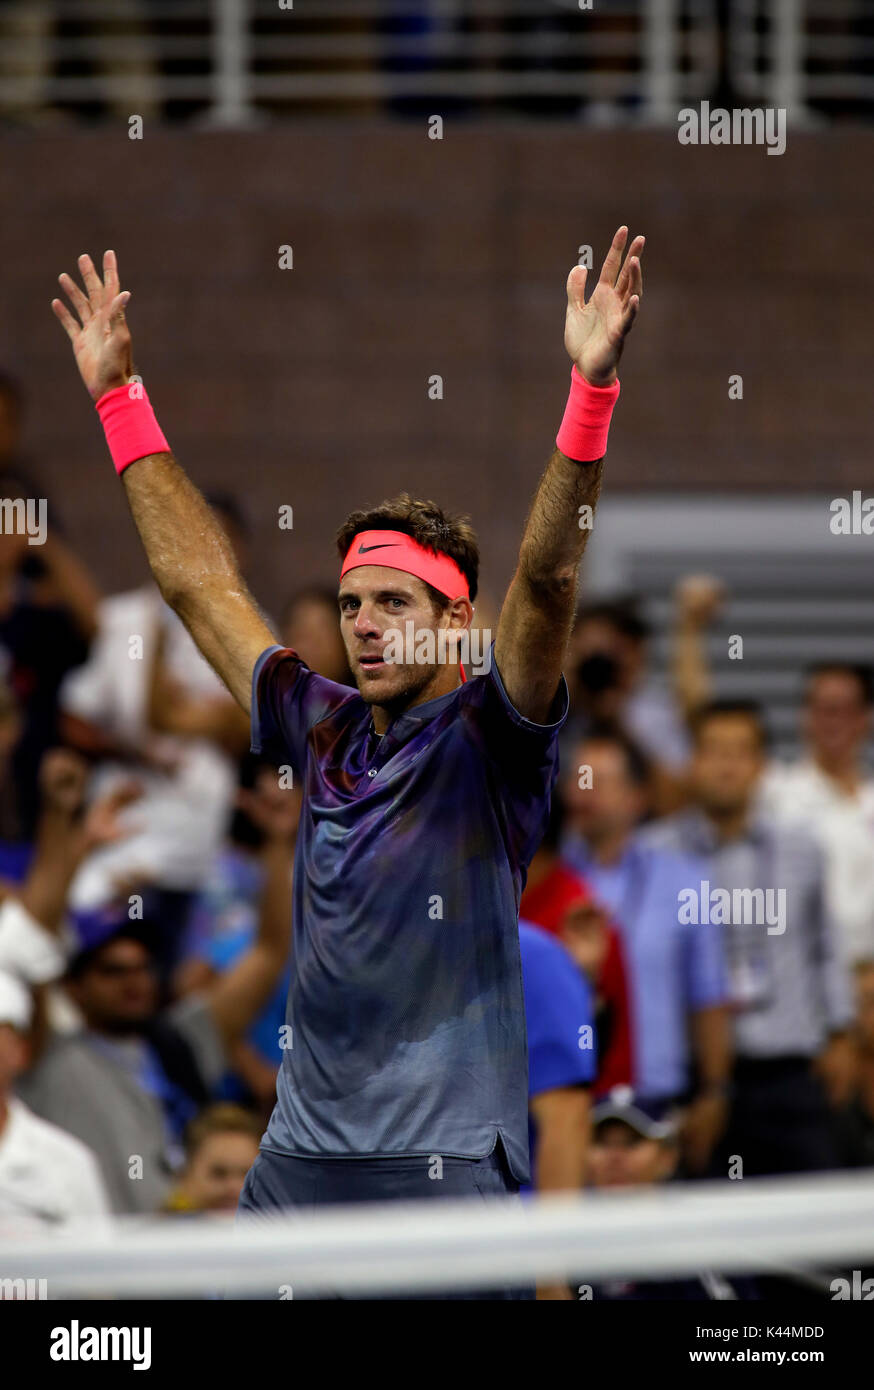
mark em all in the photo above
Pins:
pixel 698 599
pixel 595 333
pixel 100 337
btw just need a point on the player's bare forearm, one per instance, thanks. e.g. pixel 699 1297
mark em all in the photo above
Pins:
pixel 186 547
pixel 537 613
pixel 194 567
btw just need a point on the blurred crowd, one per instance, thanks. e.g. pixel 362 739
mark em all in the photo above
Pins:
pixel 697 926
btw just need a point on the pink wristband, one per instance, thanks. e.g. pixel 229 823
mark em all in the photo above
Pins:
pixel 586 422
pixel 129 423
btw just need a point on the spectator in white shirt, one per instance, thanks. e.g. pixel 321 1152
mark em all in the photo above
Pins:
pixel 828 791
pixel 47 1178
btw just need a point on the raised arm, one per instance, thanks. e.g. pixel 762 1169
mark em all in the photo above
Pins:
pixel 186 546
pixel 697 600
pixel 536 617
pixel 67 832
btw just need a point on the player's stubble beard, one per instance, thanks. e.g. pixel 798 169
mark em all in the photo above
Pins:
pixel 406 684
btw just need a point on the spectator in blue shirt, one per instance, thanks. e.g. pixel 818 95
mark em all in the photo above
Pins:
pixel 764 881
pixel 676 970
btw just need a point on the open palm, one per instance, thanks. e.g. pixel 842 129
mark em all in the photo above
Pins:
pixel 595 333
pixel 100 337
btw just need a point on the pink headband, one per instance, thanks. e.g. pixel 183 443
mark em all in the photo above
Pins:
pixel 398 551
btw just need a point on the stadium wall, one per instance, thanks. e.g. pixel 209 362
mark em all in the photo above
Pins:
pixel 413 258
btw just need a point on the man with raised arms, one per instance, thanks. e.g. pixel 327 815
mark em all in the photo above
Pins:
pixel 425 794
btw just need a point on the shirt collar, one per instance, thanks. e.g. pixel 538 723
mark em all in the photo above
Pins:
pixel 410 720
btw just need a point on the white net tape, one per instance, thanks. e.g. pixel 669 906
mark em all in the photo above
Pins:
pixel 743 1227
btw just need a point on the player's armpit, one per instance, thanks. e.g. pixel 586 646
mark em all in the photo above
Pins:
pixel 530 645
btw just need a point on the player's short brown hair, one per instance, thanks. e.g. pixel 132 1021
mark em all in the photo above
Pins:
pixel 426 523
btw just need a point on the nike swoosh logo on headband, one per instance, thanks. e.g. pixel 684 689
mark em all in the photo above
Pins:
pixel 383 545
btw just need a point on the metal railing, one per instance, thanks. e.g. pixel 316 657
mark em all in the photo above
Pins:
pixel 813 57
pixel 235 61
pixel 236 58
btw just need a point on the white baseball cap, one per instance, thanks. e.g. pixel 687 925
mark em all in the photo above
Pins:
pixel 16 1005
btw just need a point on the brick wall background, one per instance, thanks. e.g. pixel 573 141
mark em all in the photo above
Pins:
pixel 308 386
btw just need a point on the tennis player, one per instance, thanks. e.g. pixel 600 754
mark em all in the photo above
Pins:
pixel 425 794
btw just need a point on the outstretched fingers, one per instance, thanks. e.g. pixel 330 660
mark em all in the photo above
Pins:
pixel 68 323
pixel 93 282
pixel 100 293
pixel 636 279
pixel 110 274
pixel 75 296
pixel 613 259
pixel 630 280
pixel 576 287
pixel 629 314
pixel 117 307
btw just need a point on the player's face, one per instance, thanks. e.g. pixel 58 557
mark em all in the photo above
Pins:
pixel 118 991
pixel 385 619
pixel 727 763
pixel 217 1171
pixel 620 1157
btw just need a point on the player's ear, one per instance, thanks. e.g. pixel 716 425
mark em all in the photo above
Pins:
pixel 461 613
